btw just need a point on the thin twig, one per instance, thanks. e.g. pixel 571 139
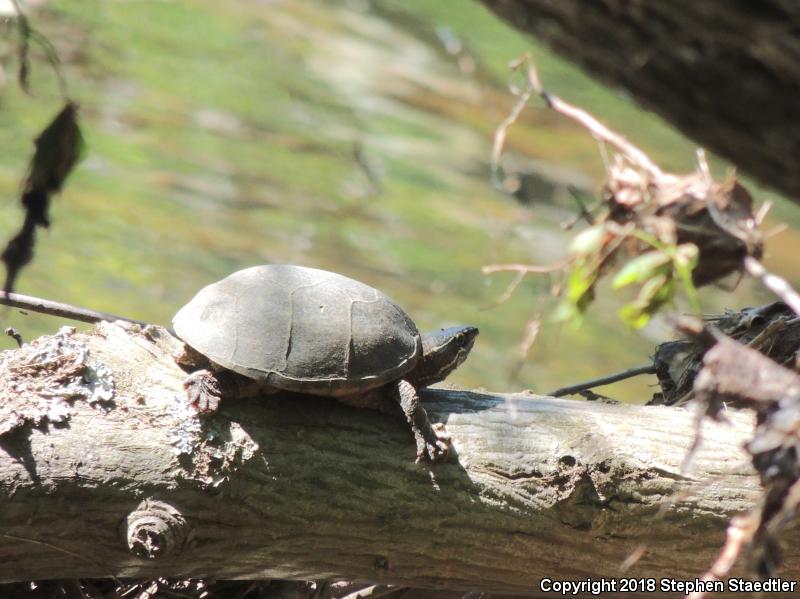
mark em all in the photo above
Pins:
pixel 28 33
pixel 604 380
pixel 493 268
pixel 787 512
pixel 43 306
pixel 501 134
pixel 768 333
pixel 597 129
pixel 774 283
pixel 697 442
pixel 762 212
pixel 633 557
pixel 24 46
pixel 600 131
pixel 776 230
pixel 740 532
pixel 512 287
pixel 369 170
pixel 584 213
pixel 55 62
pixel 530 334
pixel 532 328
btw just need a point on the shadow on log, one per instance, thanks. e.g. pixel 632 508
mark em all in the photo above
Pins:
pixel 115 475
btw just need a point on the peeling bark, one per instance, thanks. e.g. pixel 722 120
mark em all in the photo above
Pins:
pixel 295 487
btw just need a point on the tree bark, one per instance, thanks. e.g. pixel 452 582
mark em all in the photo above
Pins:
pixel 727 74
pixel 105 470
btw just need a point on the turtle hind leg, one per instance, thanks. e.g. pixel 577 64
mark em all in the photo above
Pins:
pixel 206 388
pixel 433 442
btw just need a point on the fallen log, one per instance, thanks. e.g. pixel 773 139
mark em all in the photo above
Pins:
pixel 106 471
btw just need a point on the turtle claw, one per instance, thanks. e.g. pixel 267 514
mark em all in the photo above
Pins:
pixel 203 390
pixel 437 449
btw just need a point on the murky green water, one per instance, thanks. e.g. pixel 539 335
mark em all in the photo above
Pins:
pixel 340 135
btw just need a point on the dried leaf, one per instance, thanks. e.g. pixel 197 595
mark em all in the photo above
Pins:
pixel 58 148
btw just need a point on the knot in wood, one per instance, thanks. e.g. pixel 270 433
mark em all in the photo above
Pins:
pixel 155 529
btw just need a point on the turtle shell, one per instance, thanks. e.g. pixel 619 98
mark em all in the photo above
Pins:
pixel 301 329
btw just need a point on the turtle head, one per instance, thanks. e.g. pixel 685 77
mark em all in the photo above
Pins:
pixel 442 352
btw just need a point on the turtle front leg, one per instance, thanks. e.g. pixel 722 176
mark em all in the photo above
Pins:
pixel 433 442
pixel 206 388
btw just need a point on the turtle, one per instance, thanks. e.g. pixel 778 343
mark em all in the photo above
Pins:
pixel 281 327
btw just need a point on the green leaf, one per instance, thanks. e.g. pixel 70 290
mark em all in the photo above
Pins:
pixel 653 294
pixel 588 241
pixel 642 268
pixel 567 312
pixel 633 316
pixel 579 293
pixel 686 257
pixel 657 291
pixel 580 284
